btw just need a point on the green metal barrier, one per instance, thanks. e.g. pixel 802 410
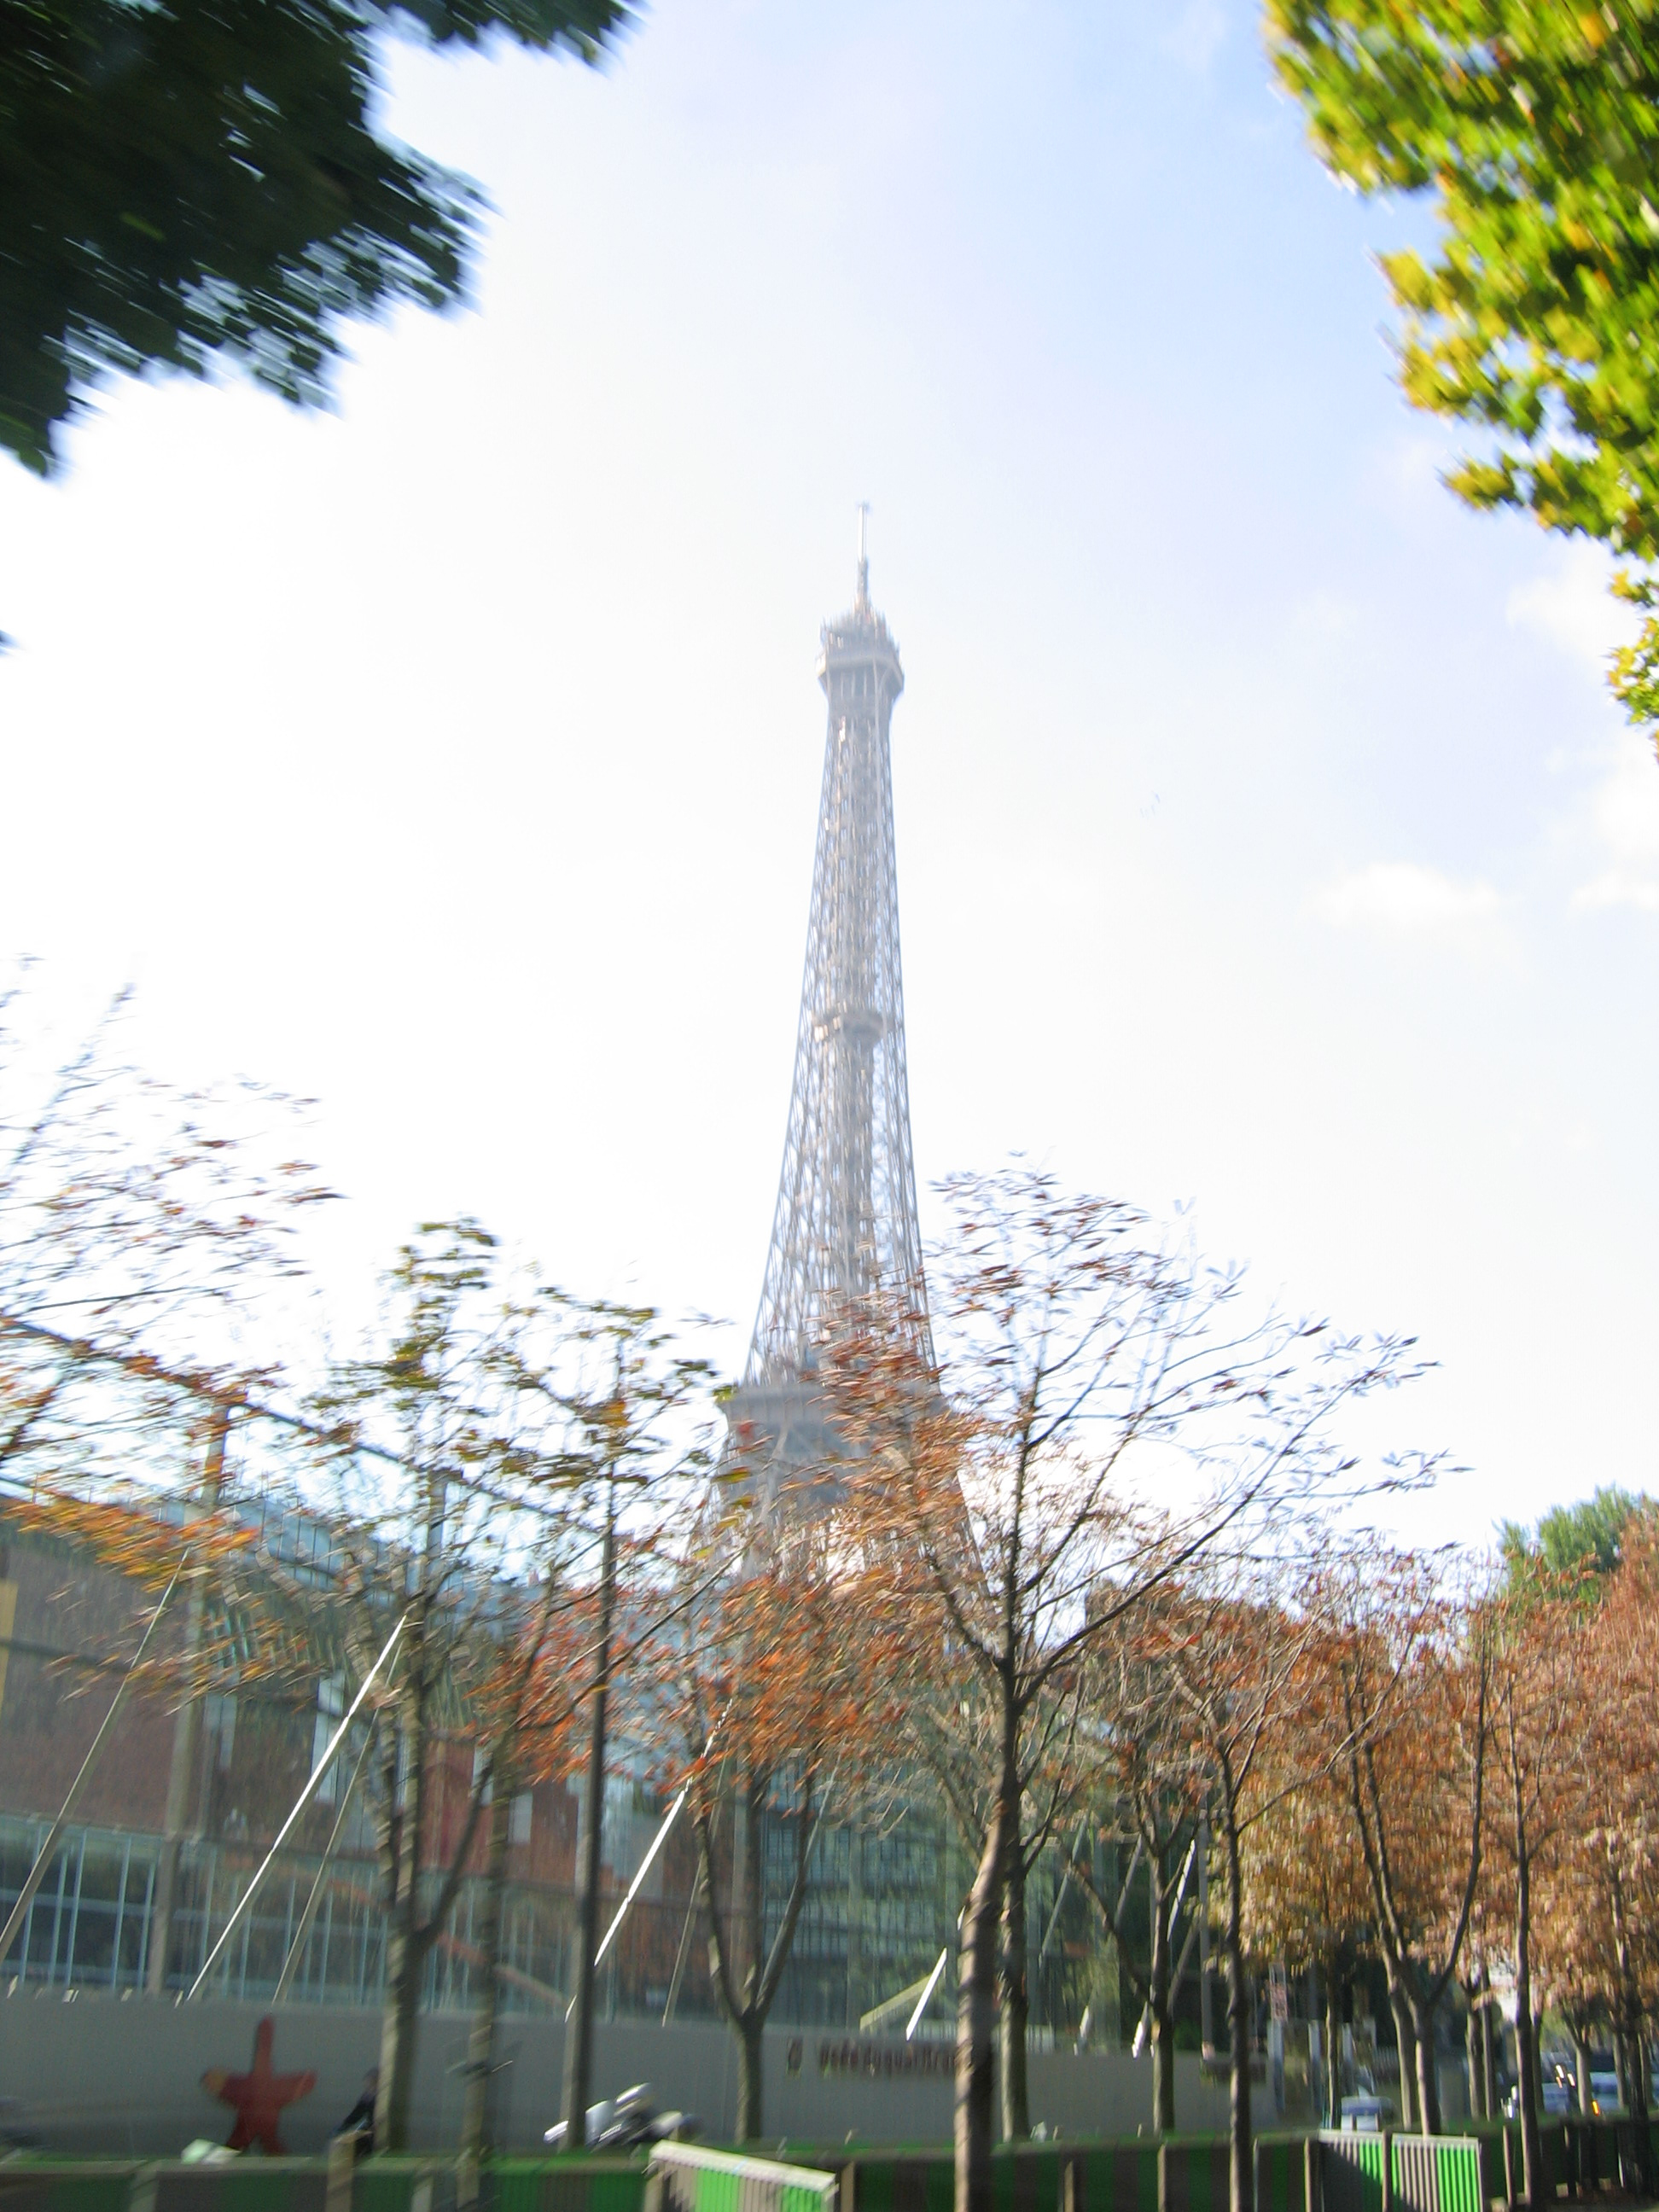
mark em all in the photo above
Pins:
pixel 682 2178
pixel 1436 2174
pixel 1352 2171
pixel 574 2183
pixel 1489 2140
pixel 1181 2174
pixel 66 2185
pixel 1119 2177
pixel 402 2184
pixel 240 2184
pixel 1192 2174
pixel 1281 2173
pixel 904 2181
pixel 1600 2141
pixel 1461 2188
pixel 1025 2178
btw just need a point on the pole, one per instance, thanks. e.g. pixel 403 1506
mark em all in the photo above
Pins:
pixel 185 1727
pixel 1140 2043
pixel 36 1873
pixel 932 1983
pixel 1123 1894
pixel 1185 1959
pixel 683 1952
pixel 578 2028
pixel 1180 1887
pixel 634 1886
pixel 1059 1898
pixel 244 1903
pixel 303 1931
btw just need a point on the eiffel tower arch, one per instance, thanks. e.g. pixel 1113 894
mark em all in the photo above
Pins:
pixel 844 1232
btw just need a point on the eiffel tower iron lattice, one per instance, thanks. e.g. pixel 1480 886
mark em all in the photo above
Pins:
pixel 845 1228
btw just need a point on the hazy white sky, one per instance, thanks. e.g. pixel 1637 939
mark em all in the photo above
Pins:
pixel 1265 838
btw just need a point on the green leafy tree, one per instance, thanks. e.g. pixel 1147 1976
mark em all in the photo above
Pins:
pixel 186 182
pixel 1535 126
pixel 1588 1536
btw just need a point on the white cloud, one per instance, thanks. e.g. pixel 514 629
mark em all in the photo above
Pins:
pixel 1624 812
pixel 1404 899
pixel 1573 607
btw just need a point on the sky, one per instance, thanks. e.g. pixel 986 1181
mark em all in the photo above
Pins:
pixel 1268 842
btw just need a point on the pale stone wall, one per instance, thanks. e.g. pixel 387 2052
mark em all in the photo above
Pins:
pixel 123 2076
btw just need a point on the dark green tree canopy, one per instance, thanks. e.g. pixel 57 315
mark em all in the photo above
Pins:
pixel 1588 1537
pixel 1536 124
pixel 186 181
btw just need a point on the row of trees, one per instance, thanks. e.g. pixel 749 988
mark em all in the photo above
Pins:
pixel 1469 1799
pixel 462 1519
pixel 1083 1572
pixel 1433 1763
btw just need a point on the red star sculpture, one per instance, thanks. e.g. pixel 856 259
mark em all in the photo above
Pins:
pixel 258 2095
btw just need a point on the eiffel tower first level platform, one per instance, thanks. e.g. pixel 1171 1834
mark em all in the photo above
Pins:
pixel 845 1230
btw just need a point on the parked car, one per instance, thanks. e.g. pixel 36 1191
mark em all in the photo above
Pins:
pixel 1558 2097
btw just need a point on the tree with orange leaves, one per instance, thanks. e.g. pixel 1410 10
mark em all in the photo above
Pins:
pixel 145 1236
pixel 776 1678
pixel 1306 1900
pixel 526 1710
pixel 1017 1493
pixel 1405 1698
pixel 1236 1646
pixel 142 1231
pixel 1147 1770
pixel 1534 1633
pixel 1599 1913
pixel 525 1421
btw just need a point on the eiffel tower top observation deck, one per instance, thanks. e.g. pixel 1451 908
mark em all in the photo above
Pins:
pixel 845 1228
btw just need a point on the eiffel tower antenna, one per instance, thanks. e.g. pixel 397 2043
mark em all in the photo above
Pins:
pixel 844 1229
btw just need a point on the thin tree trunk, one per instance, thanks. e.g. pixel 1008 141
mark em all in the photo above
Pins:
pixel 976 1996
pixel 1241 2150
pixel 1472 2056
pixel 406 1954
pixel 745 1997
pixel 1428 2068
pixel 480 2042
pixel 1016 2001
pixel 1525 2061
pixel 579 2029
pixel 751 2034
pixel 1332 2049
pixel 749 1877
pixel 751 1868
pixel 1581 2068
pixel 1157 2000
pixel 1489 2050
pixel 1406 2044
pixel 1639 2110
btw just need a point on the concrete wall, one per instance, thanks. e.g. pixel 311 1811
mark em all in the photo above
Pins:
pixel 110 2075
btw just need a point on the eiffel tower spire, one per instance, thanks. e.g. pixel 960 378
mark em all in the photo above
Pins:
pixel 845 1226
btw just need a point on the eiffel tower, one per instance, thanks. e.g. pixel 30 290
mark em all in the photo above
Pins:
pixel 844 1232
